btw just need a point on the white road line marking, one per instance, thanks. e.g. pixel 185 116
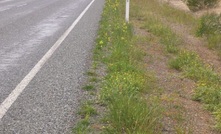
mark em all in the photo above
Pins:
pixel 21 5
pixel 6 104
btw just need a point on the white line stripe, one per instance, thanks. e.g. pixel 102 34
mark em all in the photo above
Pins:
pixel 21 86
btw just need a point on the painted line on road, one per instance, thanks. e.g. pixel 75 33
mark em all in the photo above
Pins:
pixel 6 104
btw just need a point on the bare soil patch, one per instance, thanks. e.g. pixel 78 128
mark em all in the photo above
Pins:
pixel 180 4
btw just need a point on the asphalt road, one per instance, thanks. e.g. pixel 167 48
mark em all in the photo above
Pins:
pixel 28 29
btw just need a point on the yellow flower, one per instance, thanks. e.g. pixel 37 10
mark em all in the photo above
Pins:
pixel 101 42
pixel 203 84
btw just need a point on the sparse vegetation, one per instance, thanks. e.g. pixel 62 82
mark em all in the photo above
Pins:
pixel 88 87
pixel 91 73
pixel 87 110
pixel 170 40
pixel 82 127
pixel 196 5
pixel 208 82
pixel 210 28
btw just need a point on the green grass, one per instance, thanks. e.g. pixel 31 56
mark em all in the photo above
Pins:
pixel 89 87
pixel 210 28
pixel 130 114
pixel 94 79
pixel 82 127
pixel 91 73
pixel 126 81
pixel 193 68
pixel 208 82
pixel 145 8
pixel 183 59
pixel 152 17
pixel 87 110
pixel 169 39
pixel 196 5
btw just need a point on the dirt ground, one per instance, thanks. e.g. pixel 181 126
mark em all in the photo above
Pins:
pixel 180 4
pixel 182 115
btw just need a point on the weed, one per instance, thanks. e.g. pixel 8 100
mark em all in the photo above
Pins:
pixel 167 37
pixel 180 130
pixel 82 127
pixel 126 80
pixel 152 17
pixel 89 87
pixel 87 110
pixel 132 115
pixel 209 95
pixel 93 79
pixel 143 9
pixel 210 27
pixel 209 24
pixel 193 68
pixel 208 82
pixel 91 73
pixel 183 59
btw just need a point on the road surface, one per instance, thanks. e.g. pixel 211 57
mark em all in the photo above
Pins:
pixel 28 31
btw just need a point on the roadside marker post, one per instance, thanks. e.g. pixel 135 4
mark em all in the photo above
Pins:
pixel 127 10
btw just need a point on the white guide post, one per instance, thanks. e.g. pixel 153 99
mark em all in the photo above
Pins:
pixel 127 10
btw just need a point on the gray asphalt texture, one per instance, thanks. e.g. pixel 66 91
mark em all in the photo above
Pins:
pixel 28 29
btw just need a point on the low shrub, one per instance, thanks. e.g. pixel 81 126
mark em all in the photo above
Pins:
pixel 196 5
pixel 210 24
pixel 210 27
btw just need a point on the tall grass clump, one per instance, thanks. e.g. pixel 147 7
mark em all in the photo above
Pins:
pixel 210 27
pixel 196 5
pixel 126 83
pixel 168 38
